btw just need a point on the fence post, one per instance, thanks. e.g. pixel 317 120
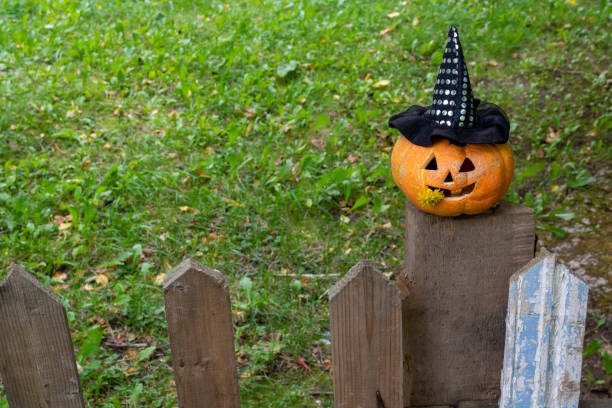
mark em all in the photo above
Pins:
pixel 367 341
pixel 456 272
pixel 37 362
pixel 201 336
pixel 544 333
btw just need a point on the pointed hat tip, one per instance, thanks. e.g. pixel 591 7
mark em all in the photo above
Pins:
pixel 452 31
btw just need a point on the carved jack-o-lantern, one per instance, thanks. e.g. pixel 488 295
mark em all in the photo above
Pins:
pixel 453 157
pixel 472 178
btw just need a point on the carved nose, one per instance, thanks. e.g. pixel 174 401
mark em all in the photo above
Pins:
pixel 449 178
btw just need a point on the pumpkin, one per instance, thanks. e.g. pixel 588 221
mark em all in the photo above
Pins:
pixel 469 179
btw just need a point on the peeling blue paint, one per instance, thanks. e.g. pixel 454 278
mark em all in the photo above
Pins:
pixel 544 335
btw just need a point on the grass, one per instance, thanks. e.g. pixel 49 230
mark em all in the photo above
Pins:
pixel 252 136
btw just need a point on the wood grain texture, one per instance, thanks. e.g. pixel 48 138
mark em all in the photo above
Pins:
pixel 545 326
pixel 201 337
pixel 477 404
pixel 456 272
pixel 37 362
pixel 367 344
pixel 601 403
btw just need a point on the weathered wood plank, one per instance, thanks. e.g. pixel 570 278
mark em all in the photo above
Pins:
pixel 367 343
pixel 37 362
pixel 601 403
pixel 477 404
pixel 544 334
pixel 457 271
pixel 201 336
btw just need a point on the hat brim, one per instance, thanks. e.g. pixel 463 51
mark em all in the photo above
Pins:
pixel 491 126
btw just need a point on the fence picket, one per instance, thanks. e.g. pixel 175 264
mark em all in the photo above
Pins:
pixel 456 272
pixel 545 329
pixel 367 343
pixel 201 336
pixel 37 362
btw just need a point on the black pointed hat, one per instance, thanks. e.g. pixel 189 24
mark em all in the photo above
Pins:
pixel 454 114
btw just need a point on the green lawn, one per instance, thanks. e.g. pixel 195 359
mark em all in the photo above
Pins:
pixel 252 136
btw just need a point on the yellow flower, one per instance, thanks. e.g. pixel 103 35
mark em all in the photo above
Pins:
pixel 430 197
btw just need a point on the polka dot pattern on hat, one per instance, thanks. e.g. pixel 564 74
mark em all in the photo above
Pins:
pixel 453 102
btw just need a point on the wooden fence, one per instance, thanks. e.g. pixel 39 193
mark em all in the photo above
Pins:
pixel 373 326
pixel 37 363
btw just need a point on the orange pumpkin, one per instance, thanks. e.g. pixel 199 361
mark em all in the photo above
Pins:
pixel 473 177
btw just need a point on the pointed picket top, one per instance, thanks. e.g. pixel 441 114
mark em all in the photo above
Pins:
pixel 18 274
pixel 544 335
pixel 37 363
pixel 365 267
pixel 190 266
pixel 199 316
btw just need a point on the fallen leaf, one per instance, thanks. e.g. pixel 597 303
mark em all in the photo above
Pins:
pixel 415 22
pixel 382 83
pixel 232 202
pixel 352 158
pixel 301 362
pixel 327 365
pixel 552 135
pixel 319 143
pixel 185 208
pixel 393 14
pixel 385 31
pixel 493 63
pixel 101 279
pixel 60 276
pixel 159 279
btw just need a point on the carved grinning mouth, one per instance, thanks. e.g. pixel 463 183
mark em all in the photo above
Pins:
pixel 448 195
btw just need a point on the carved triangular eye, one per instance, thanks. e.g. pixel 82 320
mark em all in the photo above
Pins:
pixel 466 166
pixel 432 165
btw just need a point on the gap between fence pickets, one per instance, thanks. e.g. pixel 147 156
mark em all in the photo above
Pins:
pixel 37 363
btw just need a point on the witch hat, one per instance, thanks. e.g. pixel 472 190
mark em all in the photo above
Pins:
pixel 455 113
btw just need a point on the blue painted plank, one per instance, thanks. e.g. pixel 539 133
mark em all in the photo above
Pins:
pixel 544 334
